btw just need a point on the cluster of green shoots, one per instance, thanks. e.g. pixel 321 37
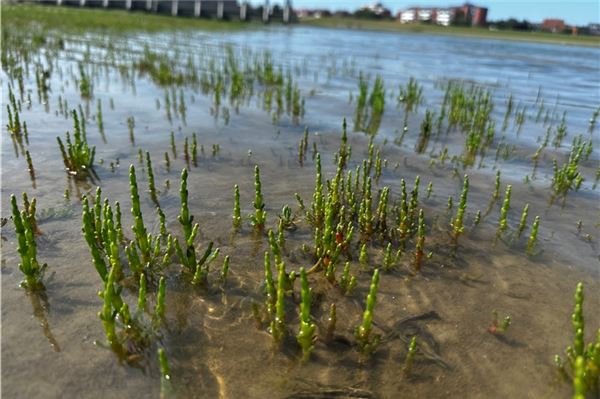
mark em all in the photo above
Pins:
pixel 425 132
pixel 126 333
pixel 233 78
pixel 307 334
pixel 147 257
pixel 368 343
pixel 470 109
pixel 339 207
pixel 582 365
pixel 457 223
pixel 503 220
pixel 85 84
pixel 198 267
pixel 260 215
pixel 499 327
pixel 369 107
pixel 410 356
pixel 303 148
pixel 77 155
pixel 16 128
pixel 410 95
pixel 26 230
pixel 567 177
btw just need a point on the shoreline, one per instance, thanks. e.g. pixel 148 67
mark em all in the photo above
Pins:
pixel 476 33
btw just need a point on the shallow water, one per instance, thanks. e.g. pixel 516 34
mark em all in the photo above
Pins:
pixel 213 346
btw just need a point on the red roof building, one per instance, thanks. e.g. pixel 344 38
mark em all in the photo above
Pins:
pixel 553 25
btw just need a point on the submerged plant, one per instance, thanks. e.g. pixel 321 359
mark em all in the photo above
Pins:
pixel 278 328
pixel 366 342
pixel 307 334
pixel 151 186
pixel 27 248
pixel 260 215
pixel 331 322
pixel 237 215
pixel 457 223
pixel 504 210
pixel 166 389
pixel 582 364
pixel 77 155
pixel 420 245
pixel 425 132
pixel 410 95
pixel 532 242
pixel 347 281
pixel 523 220
pixel 197 267
pixel 497 327
pixel 568 177
pixel 225 269
pixel 159 309
pixel 410 356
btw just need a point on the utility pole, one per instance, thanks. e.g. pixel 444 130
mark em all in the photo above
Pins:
pixel 287 11
pixel 197 8
pixel 265 16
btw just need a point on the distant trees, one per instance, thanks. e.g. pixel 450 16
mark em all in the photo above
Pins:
pixel 514 24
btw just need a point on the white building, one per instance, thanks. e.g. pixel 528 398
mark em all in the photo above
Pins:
pixel 408 16
pixel 443 17
pixel 425 14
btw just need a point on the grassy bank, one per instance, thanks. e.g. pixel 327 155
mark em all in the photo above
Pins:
pixel 393 26
pixel 76 20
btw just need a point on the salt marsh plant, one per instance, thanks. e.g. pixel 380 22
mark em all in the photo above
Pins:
pixel 260 215
pixel 567 177
pixel 582 365
pixel 457 223
pixel 224 270
pixel 377 104
pixel 532 242
pixel 410 356
pixel 499 327
pixel 366 342
pixel 131 126
pixel 277 327
pixel 77 155
pixel 410 95
pixel 369 107
pixel 425 132
pixel 166 388
pixel 127 334
pixel 420 245
pixel 307 334
pixel 347 281
pixel 142 238
pixel 151 186
pixel 270 289
pixel 523 220
pixel 237 215
pixel 27 248
pixel 331 322
pixel 85 85
pixel 198 268
pixel 503 222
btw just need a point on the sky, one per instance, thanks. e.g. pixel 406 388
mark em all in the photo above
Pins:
pixel 577 12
